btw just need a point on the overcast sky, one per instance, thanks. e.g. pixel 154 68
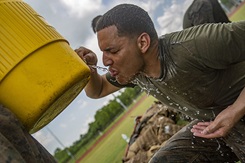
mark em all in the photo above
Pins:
pixel 72 19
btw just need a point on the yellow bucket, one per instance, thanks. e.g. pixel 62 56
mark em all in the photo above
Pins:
pixel 39 72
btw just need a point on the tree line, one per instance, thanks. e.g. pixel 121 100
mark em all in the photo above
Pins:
pixel 102 119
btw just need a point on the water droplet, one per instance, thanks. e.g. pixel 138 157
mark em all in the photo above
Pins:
pixel 218 148
pixel 185 108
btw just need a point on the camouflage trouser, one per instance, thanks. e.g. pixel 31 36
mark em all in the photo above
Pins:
pixel 16 144
pixel 183 147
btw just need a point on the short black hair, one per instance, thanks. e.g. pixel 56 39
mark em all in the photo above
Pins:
pixel 130 20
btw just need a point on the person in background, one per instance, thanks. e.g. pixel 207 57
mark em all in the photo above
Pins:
pixel 204 11
pixel 199 71
pixel 94 22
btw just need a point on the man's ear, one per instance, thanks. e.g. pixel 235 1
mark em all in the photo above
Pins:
pixel 143 42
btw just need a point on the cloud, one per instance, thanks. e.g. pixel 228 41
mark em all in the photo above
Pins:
pixel 172 18
pixel 63 125
pixel 150 6
pixel 82 103
pixel 73 117
pixel 70 18
pixel 107 99
pixel 85 126
pixel 82 8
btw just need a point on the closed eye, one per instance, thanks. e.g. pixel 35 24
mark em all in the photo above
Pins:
pixel 110 50
pixel 114 52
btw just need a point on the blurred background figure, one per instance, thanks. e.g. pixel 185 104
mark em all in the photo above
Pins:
pixel 204 11
pixel 94 22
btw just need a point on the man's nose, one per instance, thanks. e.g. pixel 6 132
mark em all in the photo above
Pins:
pixel 107 61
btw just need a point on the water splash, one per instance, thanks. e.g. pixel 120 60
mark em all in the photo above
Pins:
pixel 218 148
pixel 100 68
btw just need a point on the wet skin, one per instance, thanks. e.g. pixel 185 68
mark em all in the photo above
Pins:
pixel 121 54
pixel 127 56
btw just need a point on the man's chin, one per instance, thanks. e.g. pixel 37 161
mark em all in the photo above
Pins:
pixel 123 81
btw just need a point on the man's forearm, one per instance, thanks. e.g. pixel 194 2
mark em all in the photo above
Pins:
pixel 239 105
pixel 94 86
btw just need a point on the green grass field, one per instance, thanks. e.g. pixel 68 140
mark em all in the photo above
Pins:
pixel 239 14
pixel 112 148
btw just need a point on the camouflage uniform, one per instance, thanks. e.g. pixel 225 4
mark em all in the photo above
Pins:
pixel 151 131
pixel 17 145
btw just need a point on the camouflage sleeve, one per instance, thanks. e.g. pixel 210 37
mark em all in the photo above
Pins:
pixel 114 82
pixel 17 145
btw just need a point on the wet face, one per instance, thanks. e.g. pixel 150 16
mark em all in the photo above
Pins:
pixel 121 54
